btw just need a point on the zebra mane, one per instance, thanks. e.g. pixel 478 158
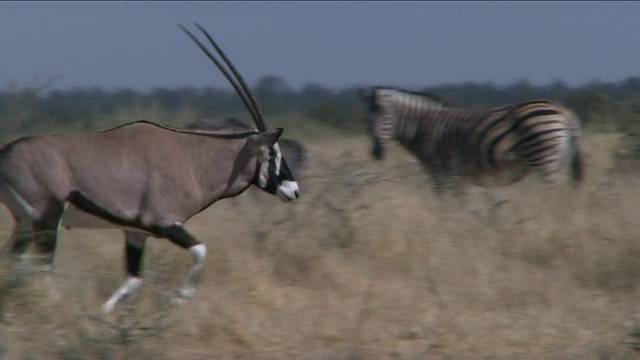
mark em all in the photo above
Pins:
pixel 430 96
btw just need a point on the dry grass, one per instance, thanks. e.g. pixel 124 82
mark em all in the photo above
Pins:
pixel 367 265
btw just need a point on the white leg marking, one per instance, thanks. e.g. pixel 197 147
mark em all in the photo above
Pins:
pixel 131 284
pixel 48 268
pixel 54 294
pixel 19 203
pixel 64 210
pixel 199 253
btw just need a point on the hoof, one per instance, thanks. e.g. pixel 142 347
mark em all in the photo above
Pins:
pixel 182 295
pixel 52 289
pixel 106 308
pixel 186 292
pixel 178 301
pixel 18 276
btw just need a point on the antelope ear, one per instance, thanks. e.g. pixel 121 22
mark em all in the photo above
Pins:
pixel 268 139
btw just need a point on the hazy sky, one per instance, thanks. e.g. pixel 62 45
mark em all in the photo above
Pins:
pixel 337 44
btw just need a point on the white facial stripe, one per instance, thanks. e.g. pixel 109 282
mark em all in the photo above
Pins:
pixel 18 202
pixel 264 167
pixel 278 158
pixel 262 177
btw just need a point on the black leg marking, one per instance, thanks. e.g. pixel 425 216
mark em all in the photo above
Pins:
pixel 21 238
pixel 45 241
pixel 133 256
pixel 133 252
pixel 46 232
pixel 178 235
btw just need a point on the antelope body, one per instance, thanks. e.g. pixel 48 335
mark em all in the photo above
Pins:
pixel 142 177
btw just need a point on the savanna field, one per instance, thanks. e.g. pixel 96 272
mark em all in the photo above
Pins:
pixel 367 264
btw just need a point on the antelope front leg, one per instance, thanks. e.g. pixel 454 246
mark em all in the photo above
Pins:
pixel 178 235
pixel 199 253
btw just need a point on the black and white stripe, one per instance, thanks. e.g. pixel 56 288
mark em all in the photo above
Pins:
pixel 499 146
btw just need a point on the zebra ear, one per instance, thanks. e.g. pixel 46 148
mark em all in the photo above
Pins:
pixel 365 93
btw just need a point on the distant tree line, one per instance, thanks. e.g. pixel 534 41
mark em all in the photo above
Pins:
pixel 24 109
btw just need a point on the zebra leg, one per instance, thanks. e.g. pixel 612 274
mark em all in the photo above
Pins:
pixel 494 205
pixel 457 172
pixel 437 184
pixel 459 192
pixel 133 253
pixel 441 176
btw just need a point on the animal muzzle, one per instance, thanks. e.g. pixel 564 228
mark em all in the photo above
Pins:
pixel 377 151
pixel 288 191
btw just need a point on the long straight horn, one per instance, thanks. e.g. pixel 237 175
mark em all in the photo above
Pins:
pixel 239 90
pixel 259 119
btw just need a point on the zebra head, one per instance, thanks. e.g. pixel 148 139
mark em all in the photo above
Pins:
pixel 374 121
pixel 393 112
pixel 378 124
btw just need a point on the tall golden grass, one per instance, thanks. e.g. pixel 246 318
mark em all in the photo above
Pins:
pixel 368 264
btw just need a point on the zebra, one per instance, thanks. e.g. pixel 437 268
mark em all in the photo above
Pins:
pixel 491 147
pixel 294 151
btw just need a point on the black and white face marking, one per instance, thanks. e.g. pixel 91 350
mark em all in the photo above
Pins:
pixel 276 178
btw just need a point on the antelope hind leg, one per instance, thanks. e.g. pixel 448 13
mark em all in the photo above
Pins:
pixel 20 239
pixel 14 269
pixel 46 231
pixel 133 253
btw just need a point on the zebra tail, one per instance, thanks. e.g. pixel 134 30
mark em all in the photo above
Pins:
pixel 577 164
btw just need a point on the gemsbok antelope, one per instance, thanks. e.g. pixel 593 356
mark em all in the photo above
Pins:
pixel 144 178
